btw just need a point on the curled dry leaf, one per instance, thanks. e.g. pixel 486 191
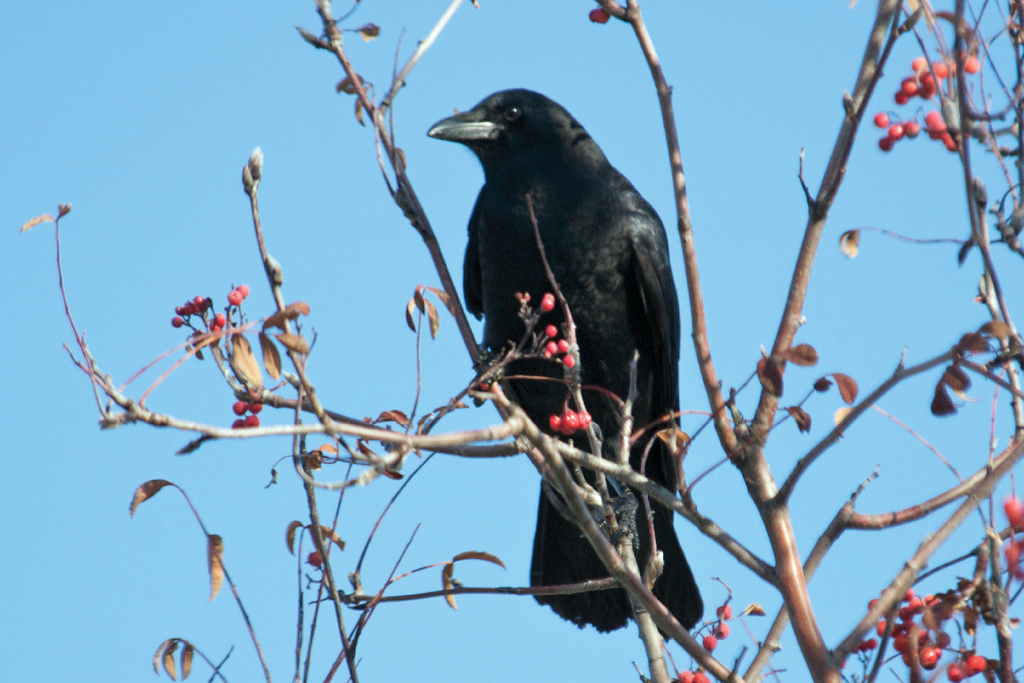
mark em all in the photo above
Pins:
pixel 215 563
pixel 289 536
pixel 942 404
pixel 973 342
pixel 803 420
pixel 840 415
pixel 410 314
pixel 63 210
pixel 956 379
pixel 847 387
pixel 329 448
pixel 271 356
pixel 145 492
pixel 849 243
pixel 359 112
pixel 391 474
pixel 346 86
pixel 243 361
pixel 368 32
pixel 332 535
pixel 435 320
pixel 289 312
pixel 449 570
pixel 186 660
pixel 159 654
pixel 33 222
pixel 753 610
pixel 803 355
pixel 676 439
pixel 393 416
pixel 822 384
pixel 444 298
pixel 168 659
pixel 770 375
pixel 295 343
pixel 996 328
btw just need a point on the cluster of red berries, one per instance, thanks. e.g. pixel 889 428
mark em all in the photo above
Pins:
pixel 1014 509
pixel 556 346
pixel 237 294
pixel 930 641
pixel 922 84
pixel 599 16
pixel 196 306
pixel 251 420
pixel 569 422
pixel 693 677
pixel 710 642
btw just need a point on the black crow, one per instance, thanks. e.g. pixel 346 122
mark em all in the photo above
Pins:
pixel 608 252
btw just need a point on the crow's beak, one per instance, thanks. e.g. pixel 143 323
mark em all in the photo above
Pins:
pixel 462 128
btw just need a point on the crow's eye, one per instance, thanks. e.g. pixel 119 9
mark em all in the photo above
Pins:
pixel 512 113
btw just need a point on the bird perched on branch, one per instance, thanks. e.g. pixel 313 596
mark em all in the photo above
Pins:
pixel 608 252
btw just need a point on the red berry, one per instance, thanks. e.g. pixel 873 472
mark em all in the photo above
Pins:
pixel 909 595
pixel 555 422
pixel 900 97
pixel 235 297
pixel 895 131
pixel 972 65
pixel 930 656
pixel 911 129
pixel 238 424
pixel 599 16
pixel 314 559
pixel 724 612
pixel 199 301
pixel 189 308
pixel 928 88
pixel 686 676
pixel 563 345
pixel 941 70
pixel 180 310
pixel 1014 509
pixel 955 672
pixel 252 421
pixel 933 120
pixel 870 644
pixel 975 664
pixel 880 629
pixel 710 643
pixel 1013 555
pixel 548 302
pixel 551 331
pixel 240 407
pixel 177 321
pixel 243 290
pixel 570 422
pixel 909 86
pixel 885 144
pixel 254 408
pixel 569 360
pixel 948 140
pixel 882 119
pixel 585 419
pixel 700 677
pixel 207 303
pixel 220 320
pixel 899 643
pixel 722 632
pixel 550 349
pixel 918 64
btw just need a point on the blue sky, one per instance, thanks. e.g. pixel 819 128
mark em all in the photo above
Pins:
pixel 142 116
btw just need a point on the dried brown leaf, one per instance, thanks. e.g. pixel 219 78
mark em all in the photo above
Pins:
pixel 33 222
pixel 271 356
pixel 289 536
pixel 145 492
pixel 295 343
pixel 391 474
pixel 410 314
pixel 186 660
pixel 435 321
pixel 803 420
pixel 63 210
pixel 290 312
pixel 942 404
pixel 973 342
pixel 849 243
pixel 243 360
pixel 393 416
pixel 359 112
pixel 996 328
pixel 822 384
pixel 446 582
pixel 444 298
pixel 346 86
pixel 332 535
pixel 676 439
pixel 368 32
pixel 215 563
pixel 956 379
pixel 159 654
pixel 847 387
pixel 479 555
pixel 754 610
pixel 168 659
pixel 770 375
pixel 803 355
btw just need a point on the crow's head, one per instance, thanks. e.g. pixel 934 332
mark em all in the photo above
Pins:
pixel 518 127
